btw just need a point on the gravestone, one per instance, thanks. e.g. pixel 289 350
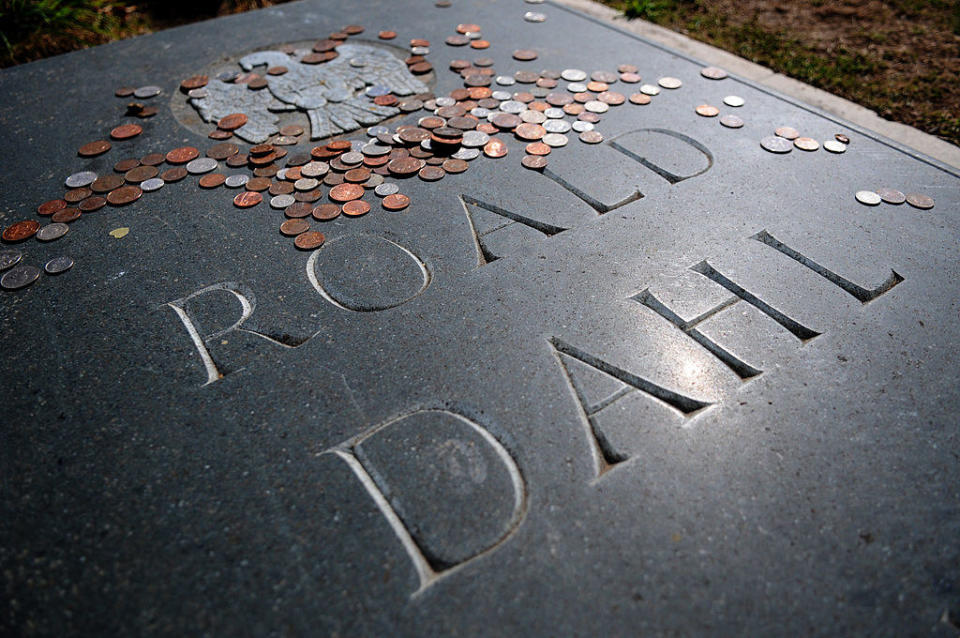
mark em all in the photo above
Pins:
pixel 671 383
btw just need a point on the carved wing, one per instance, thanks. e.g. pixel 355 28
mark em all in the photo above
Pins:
pixel 373 65
pixel 224 98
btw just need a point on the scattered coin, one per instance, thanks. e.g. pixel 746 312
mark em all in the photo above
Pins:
pixel 868 197
pixel 106 183
pixel 843 139
pixel 534 162
pixel 731 121
pixel 133 176
pixel 639 98
pixel 776 144
pixel 152 184
pixel 706 110
pixel 396 201
pixel 670 82
pixel 347 192
pixel 713 73
pixel 58 265
pixel 649 89
pixel 525 55
pixel 247 199
pixel 232 122
pixel 591 137
pixel 213 180
pixel 233 181
pixel 453 165
pixel 495 148
pixel 9 258
pixel 174 174
pixel 355 208
pixel 309 240
pixel 66 215
pixel 194 82
pixel 49 208
pixel 733 100
pixel 21 230
pixel 922 202
pixel 834 146
pixel 386 189
pixel 787 133
pixel 294 227
pixel 201 165
pixel 326 212
pixel 94 148
pixel 534 16
pixel 126 131
pixel 124 195
pixel 92 203
pixel 890 195
pixel 806 143
pixel 145 92
pixel 182 155
pixel 52 231
pixel 78 180
pixel 556 140
pixel 19 277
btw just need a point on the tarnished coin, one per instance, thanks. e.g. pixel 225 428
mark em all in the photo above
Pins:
pixel 66 215
pixel 706 110
pixel 806 143
pixel 232 122
pixel 152 184
pixel 529 132
pixel 9 258
pixel 126 131
pixel 639 98
pixel 834 146
pixel 246 199
pixel 591 137
pixel 282 201
pixel 431 174
pixel 299 209
pixel 869 198
pixel 534 117
pixel 294 227
pixel 21 230
pixel 843 139
pixel 404 166
pixel 50 207
pixel 91 204
pixel 347 192
pixel 920 201
pixel 174 174
pixel 668 82
pixel 194 82
pixel 455 165
pixel 731 121
pixel 133 176
pixel 396 201
pixel 314 169
pixel 356 208
pixel 182 155
pixel 611 98
pixel 649 89
pixel 891 195
pixel 733 100
pixel 94 148
pixel 19 277
pixel 309 240
pixel 525 55
pixel 125 165
pixel 78 180
pixel 58 265
pixel 385 189
pixel 201 165
pixel 787 133
pixel 495 148
pixel 776 144
pixel 713 73
pixel 52 231
pixel 153 159
pixel 145 92
pixel 630 77
pixel 534 162
pixel 223 151
pixel 106 183
pixel 124 195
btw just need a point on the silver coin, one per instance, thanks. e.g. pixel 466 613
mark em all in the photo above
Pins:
pixel 371 150
pixel 19 277
pixel 201 165
pixel 868 197
pixel 429 105
pixel 236 181
pixel 505 80
pixel 374 131
pixel 314 169
pixel 281 174
pixel 574 75
pixel 52 231
pixel 282 201
pixel 474 139
pixel 668 82
pixel 426 145
pixel 554 113
pixel 649 89
pixel 713 73
pixel 284 140
pixel 577 87
pixel 556 126
pixel 890 195
pixel 533 16
pixel 445 101
pixel 198 93
pixel 554 140
pixel 733 100
pixel 387 188
pixel 375 90
pixel 534 117
pixel 352 158
pixel 356 146
pixel 419 50
pixel 305 184
pixel 374 181
pixel 147 91
pixel 596 106
pixel 473 35
pixel 502 95
pixel 152 184
pixel 78 180
pixel 731 121
pixel 513 106
pixel 834 146
pixel 533 1
pixel 358 63
pixel 539 91
pixel 58 265
pixel 479 111
pixel 466 154
pixel 776 144
pixel 580 126
pixel 9 258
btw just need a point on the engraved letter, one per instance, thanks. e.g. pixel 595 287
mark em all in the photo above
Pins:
pixel 484 255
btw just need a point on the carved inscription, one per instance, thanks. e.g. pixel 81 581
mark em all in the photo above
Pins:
pixel 502 220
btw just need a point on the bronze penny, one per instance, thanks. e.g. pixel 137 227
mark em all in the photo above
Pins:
pixel 357 175
pixel 388 100
pixel 232 122
pixel 612 98
pixel 94 148
pixel 455 165
pixel 277 70
pixel 488 128
pixel 787 132
pixel 434 161
pixel 124 195
pixel 174 174
pixel 530 132
pixel 298 210
pixel 356 208
pixel 281 188
pixel 387 35
pixel 258 184
pixel 106 183
pixel 308 196
pixel 706 110
pixel 333 179
pixel 630 77
pixel 397 201
pixel 339 145
pixel 309 240
pixel 21 230
pixel 374 162
pixel 323 46
pixel 405 166
pixel 153 159
pixel 49 208
pixel 148 111
pixel 194 82
pixel 126 131
pixel 534 162
pixel 573 108
pixel 593 118
pixel 468 27
pixel 639 98
pixel 217 134
pixel 140 174
pixel 457 40
pixel 291 130
pixel 257 83
pixel 419 42
pixel 125 165
pixel 293 174
pixel 479 44
pixel 627 68
pixel 429 123
pixel 537 148
pixel 66 215
pixel 237 161
pixel 212 180
pixel 843 139
pixel 495 148
pixel 431 173
pixel 91 204
pixel 77 194
pixel 247 199
pixel 525 55
pixel 293 227
pixel 326 212
pixel 183 155
pixel 597 87
pixel 480 92
pixel 346 192
pixel 414 135
pixel 124 91
pixel 459 65
pixel 222 151
pixel 921 201
pixel 506 121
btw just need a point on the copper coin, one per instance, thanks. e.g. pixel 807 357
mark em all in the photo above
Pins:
pixel 630 77
pixel 597 87
pixel 293 227
pixel 326 212
pixel 291 130
pixel 21 230
pixel 281 188
pixel 174 174
pixel 397 201
pixel 182 155
pixel 339 145
pixel 94 148
pixel 639 98
pixel 309 240
pixel 534 162
pixel 591 137
pixel 530 132
pixel 479 44
pixel 787 133
pixel 706 110
pixel 247 199
pixel 308 196
pixel 124 91
pixel 495 148
pixel 353 29
pixel 891 195
pixel 125 165
pixel 258 184
pixel 713 73
pixel 106 183
pixel 390 100
pixel 49 208
pixel 431 173
pixel 257 83
pixel 237 161
pixel 525 55
pixel 357 175
pixel 339 36
pixel 806 143
pixel 277 70
pixel 356 208
pixel 298 210
pixel 538 148
pixel 148 111
pixel 387 35
pixel 232 122
pixel 917 200
pixel 124 195
pixel 194 82
pixel 506 121
pixel 346 192
pixel 91 204
pixel 840 137
pixel 77 194
pixel 405 166
pixel 455 165
pixel 212 180
pixel 217 134
pixel 140 174
pixel 126 131
pixel 222 151
pixel 612 98
pixel 66 215
pixel 153 159
pixel 260 150
pixel 457 40
pixel 333 179
pixel 468 27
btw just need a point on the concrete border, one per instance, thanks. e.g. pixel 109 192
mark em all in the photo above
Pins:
pixel 863 117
